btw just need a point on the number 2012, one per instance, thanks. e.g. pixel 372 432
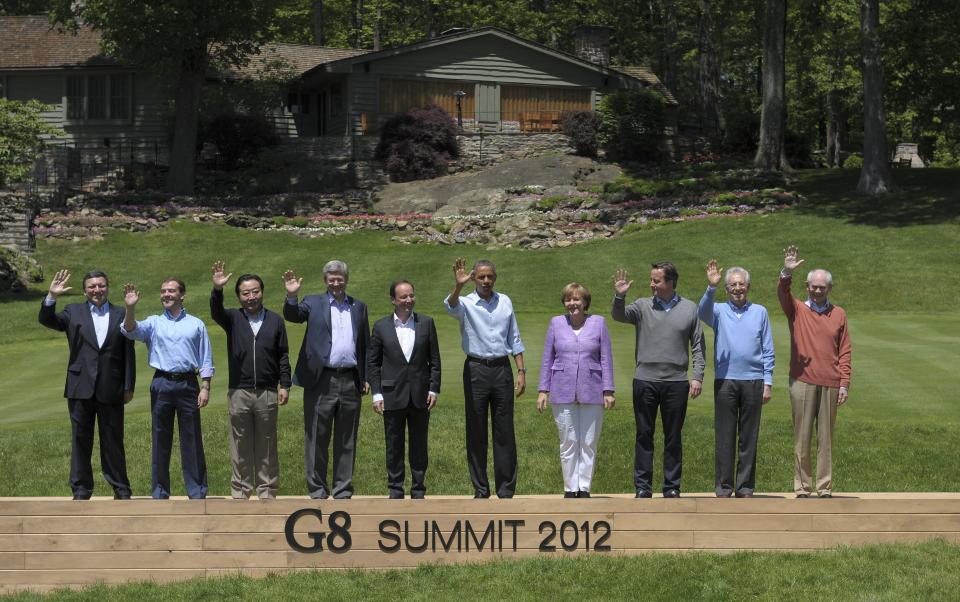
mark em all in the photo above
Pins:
pixel 569 536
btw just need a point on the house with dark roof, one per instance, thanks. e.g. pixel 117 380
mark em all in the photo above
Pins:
pixel 489 80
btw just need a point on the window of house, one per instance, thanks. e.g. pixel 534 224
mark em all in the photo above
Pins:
pixel 99 97
pixel 401 95
pixel 539 108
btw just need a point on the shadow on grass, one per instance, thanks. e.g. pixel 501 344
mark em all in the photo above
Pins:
pixel 924 196
pixel 27 295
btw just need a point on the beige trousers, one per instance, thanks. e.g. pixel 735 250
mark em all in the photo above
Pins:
pixel 253 443
pixel 813 405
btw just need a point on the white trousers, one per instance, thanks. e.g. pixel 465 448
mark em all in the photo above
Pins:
pixel 579 427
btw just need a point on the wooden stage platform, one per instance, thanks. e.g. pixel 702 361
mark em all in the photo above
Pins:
pixel 55 542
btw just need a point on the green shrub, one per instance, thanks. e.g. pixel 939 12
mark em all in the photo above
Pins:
pixel 632 123
pixel 689 212
pixel 582 128
pixel 238 138
pixel 21 138
pixel 720 209
pixel 724 198
pixel 853 162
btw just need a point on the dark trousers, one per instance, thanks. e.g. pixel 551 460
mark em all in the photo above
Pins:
pixel 670 397
pixel 109 421
pixel 331 410
pixel 488 389
pixel 396 423
pixel 169 398
pixel 736 409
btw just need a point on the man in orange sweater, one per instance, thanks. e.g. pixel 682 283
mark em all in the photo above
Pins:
pixel 819 371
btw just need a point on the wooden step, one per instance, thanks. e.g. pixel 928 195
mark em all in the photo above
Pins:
pixel 55 542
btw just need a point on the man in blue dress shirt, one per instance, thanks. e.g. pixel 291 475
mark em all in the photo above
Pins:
pixel 179 349
pixel 743 352
pixel 489 336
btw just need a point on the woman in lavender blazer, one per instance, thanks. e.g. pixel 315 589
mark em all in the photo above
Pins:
pixel 576 378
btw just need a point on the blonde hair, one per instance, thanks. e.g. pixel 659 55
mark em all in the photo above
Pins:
pixel 575 288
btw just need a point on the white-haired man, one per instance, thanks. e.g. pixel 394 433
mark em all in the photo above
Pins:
pixel 743 377
pixel 820 353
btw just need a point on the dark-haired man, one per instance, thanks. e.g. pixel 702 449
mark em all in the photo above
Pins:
pixel 489 336
pixel 258 357
pixel 179 349
pixel 403 366
pixel 100 378
pixel 668 332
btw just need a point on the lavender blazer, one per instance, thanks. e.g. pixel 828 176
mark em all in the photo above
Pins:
pixel 577 368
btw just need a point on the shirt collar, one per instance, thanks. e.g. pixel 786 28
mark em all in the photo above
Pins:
pixel 491 301
pixel 169 316
pixel 739 310
pixel 99 311
pixel 667 304
pixel 398 322
pixel 257 318
pixel 333 300
pixel 818 308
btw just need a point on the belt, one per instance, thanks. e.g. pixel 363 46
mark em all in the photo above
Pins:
pixel 175 375
pixel 342 370
pixel 489 361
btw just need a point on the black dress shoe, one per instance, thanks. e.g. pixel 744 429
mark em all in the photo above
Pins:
pixel 396 496
pixel 417 496
pixel 744 494
pixel 569 494
pixel 480 496
pixel 121 496
pixel 81 496
pixel 803 495
pixel 671 493
pixel 583 494
pixel 644 494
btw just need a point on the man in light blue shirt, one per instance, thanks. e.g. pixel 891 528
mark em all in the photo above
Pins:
pixel 179 348
pixel 489 336
pixel 743 352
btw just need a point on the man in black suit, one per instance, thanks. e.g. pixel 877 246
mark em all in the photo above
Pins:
pixel 403 367
pixel 100 379
pixel 331 369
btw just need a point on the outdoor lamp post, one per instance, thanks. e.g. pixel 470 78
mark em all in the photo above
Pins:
pixel 460 94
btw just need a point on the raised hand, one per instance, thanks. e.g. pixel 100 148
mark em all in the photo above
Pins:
pixel 59 284
pixel 460 271
pixel 621 282
pixel 130 295
pixel 219 278
pixel 714 273
pixel 791 261
pixel 292 283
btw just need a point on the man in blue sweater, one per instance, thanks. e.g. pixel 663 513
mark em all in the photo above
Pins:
pixel 743 352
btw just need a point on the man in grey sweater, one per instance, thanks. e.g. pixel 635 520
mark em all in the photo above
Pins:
pixel 668 332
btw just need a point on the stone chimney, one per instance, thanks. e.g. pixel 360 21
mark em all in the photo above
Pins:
pixel 593 43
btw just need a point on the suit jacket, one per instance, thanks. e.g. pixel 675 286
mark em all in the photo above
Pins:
pixel 104 372
pixel 401 382
pixel 577 368
pixel 315 350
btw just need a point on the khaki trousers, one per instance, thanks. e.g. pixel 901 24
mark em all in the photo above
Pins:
pixel 253 443
pixel 813 405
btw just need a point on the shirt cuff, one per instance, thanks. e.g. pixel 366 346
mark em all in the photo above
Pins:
pixel 48 300
pixel 377 397
pixel 206 372
pixel 434 393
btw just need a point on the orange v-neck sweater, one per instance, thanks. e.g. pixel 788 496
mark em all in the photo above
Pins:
pixel 819 343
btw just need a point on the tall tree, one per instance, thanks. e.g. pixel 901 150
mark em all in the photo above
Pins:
pixel 179 39
pixel 708 73
pixel 773 115
pixel 316 20
pixel 875 176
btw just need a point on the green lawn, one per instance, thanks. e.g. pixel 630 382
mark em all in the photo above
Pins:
pixel 897 285
pixel 894 263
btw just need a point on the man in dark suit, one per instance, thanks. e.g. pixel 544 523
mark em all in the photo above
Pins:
pixel 100 379
pixel 403 367
pixel 331 369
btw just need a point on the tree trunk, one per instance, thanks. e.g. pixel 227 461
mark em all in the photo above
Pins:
pixel 356 33
pixel 316 18
pixel 833 129
pixel 377 21
pixel 708 75
pixel 186 119
pixel 770 150
pixel 875 176
pixel 668 45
